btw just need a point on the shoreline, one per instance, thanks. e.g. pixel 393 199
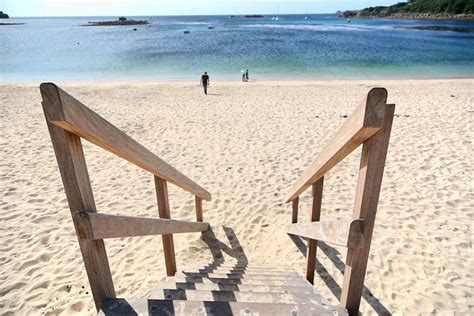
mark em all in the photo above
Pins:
pixel 225 82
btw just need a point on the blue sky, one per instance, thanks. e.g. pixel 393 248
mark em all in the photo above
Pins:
pixel 177 7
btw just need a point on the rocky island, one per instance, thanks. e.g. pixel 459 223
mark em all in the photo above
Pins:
pixel 418 9
pixel 120 21
pixel 5 16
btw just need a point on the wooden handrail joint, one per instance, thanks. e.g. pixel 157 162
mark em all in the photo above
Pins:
pixel 347 233
pixel 361 125
pixel 66 112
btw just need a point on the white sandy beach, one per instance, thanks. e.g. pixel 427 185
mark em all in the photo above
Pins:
pixel 246 143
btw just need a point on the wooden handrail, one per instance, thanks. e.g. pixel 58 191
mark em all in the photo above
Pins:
pixel 366 120
pixel 68 121
pixel 68 113
pixel 371 126
pixel 347 233
pixel 100 226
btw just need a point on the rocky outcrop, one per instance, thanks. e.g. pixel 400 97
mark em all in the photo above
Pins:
pixel 348 14
pixel 418 9
pixel 432 16
pixel 121 21
pixel 3 15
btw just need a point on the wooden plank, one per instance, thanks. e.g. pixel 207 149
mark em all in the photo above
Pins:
pixel 75 178
pixel 297 281
pixel 306 289
pixel 198 208
pixel 294 215
pixel 164 211
pixel 374 153
pixel 101 226
pixel 234 296
pixel 73 116
pixel 348 233
pixel 121 306
pixel 315 216
pixel 242 272
pixel 254 276
pixel 366 120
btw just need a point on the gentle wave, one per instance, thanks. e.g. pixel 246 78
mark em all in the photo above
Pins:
pixel 319 27
pixel 190 23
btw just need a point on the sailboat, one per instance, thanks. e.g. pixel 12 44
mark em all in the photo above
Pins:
pixel 276 18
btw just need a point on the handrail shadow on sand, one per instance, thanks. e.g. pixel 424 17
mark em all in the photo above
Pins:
pixel 335 288
pixel 217 248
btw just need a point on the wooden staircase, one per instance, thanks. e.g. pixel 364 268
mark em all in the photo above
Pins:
pixel 228 290
pixel 220 289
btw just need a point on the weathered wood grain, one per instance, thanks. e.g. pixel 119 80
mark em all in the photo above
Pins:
pixel 101 226
pixel 164 212
pixel 198 201
pixel 167 307
pixel 294 214
pixel 314 217
pixel 75 178
pixel 348 233
pixel 70 114
pixel 374 153
pixel 366 120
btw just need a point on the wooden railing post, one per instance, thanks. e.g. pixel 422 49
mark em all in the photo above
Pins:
pixel 315 216
pixel 164 212
pixel 198 209
pixel 73 169
pixel 374 152
pixel 294 216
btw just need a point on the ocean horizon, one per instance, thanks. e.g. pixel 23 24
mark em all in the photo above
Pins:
pixel 294 47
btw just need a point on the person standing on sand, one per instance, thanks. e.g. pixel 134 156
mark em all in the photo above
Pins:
pixel 205 81
pixel 247 75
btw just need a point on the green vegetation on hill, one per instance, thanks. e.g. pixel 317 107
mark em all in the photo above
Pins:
pixel 413 7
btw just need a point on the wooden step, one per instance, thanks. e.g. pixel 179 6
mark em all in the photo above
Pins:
pixel 277 282
pixel 303 289
pixel 238 276
pixel 234 296
pixel 247 267
pixel 246 272
pixel 120 306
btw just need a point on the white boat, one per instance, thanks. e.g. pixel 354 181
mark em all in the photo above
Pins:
pixel 276 18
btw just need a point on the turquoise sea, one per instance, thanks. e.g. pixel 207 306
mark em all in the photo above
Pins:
pixel 319 47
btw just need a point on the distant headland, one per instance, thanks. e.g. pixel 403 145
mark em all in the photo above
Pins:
pixel 418 9
pixel 120 21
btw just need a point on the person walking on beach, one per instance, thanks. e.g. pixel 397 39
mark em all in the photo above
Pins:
pixel 247 75
pixel 205 81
